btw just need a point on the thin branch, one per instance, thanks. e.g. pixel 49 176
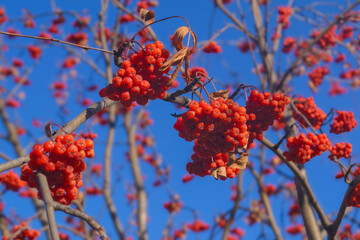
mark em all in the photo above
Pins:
pixel 49 205
pixel 76 213
pixel 86 48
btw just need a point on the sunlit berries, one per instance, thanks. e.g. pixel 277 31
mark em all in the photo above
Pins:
pixel 343 122
pixel 61 161
pixel 139 79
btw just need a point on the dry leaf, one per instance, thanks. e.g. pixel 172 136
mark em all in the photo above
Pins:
pixel 147 15
pixel 239 163
pixel 48 130
pixel 175 59
pixel 218 172
pixel 220 94
pixel 174 74
pixel 179 35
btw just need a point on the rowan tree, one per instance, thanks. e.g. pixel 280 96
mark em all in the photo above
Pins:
pixel 173 120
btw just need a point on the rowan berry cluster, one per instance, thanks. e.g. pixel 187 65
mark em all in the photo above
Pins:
pixel 309 110
pixel 217 128
pixel 3 17
pixel 289 44
pixel 343 122
pixel 302 148
pixel 353 199
pixel 173 206
pixel 198 226
pixel 62 163
pixel 198 72
pixel 212 47
pixel 245 46
pixel 26 234
pixel 316 76
pixel 139 78
pixel 327 40
pixel 11 181
pixel 336 89
pixel 284 14
pixel 263 111
pixel 340 150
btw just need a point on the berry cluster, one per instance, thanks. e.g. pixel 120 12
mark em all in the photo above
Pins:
pixel 353 199
pixel 316 76
pixel 284 13
pixel 11 181
pixel 289 44
pixel 245 46
pixel 263 111
pixel 198 226
pixel 26 234
pixel 336 89
pixel 197 72
pixel 173 206
pixel 327 40
pixel 340 150
pixel 308 109
pixel 62 163
pixel 218 127
pixel 212 47
pixel 3 17
pixel 302 148
pixel 343 122
pixel 139 78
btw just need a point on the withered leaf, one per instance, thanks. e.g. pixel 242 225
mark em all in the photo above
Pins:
pixel 220 94
pixel 218 172
pixel 174 74
pixel 179 35
pixel 48 130
pixel 147 15
pixel 240 162
pixel 175 59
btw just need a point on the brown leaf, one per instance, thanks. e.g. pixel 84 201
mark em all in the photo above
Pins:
pixel 187 69
pixel 147 15
pixel 48 130
pixel 220 94
pixel 174 74
pixel 218 172
pixel 179 35
pixel 239 163
pixel 175 59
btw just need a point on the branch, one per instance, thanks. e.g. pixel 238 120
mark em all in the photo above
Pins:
pixel 341 213
pixel 86 48
pixel 107 174
pixel 49 205
pixel 287 76
pixel 130 127
pixel 324 221
pixel 76 213
pixel 68 127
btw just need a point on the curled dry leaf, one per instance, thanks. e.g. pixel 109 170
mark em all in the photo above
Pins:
pixel 239 163
pixel 218 172
pixel 48 130
pixel 179 35
pixel 175 59
pixel 147 15
pixel 220 94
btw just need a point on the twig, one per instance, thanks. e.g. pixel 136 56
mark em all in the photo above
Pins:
pixel 86 48
pixel 76 213
pixel 49 205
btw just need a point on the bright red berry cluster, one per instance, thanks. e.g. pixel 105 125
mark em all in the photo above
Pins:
pixel 343 122
pixel 11 181
pixel 263 111
pixel 212 47
pixel 308 109
pixel 62 163
pixel 284 14
pixel 198 226
pixel 340 150
pixel 198 72
pixel 336 89
pixel 302 148
pixel 26 234
pixel 289 44
pixel 327 40
pixel 139 78
pixel 3 17
pixel 217 127
pixel 316 76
